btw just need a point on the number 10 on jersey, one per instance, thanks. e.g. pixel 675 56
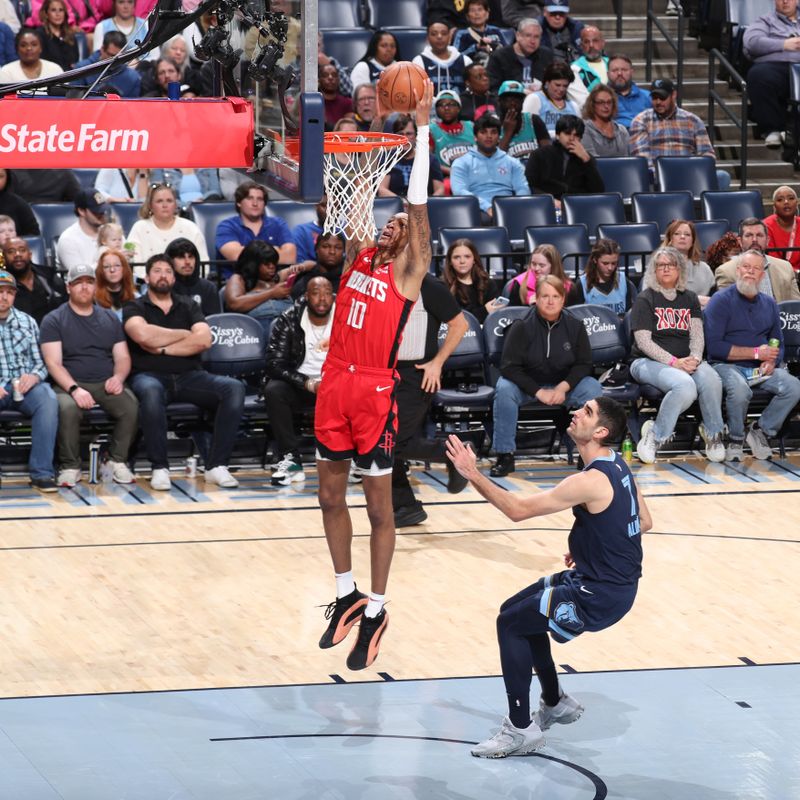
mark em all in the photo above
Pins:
pixel 355 319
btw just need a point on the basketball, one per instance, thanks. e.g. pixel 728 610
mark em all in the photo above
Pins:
pixel 397 84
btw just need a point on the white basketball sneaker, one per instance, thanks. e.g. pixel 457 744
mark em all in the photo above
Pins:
pixel 568 710
pixel 510 741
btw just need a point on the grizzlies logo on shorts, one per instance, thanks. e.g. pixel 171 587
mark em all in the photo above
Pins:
pixel 566 616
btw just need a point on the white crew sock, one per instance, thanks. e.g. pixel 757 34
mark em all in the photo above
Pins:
pixel 345 584
pixel 374 605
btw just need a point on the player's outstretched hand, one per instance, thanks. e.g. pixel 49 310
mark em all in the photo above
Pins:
pixel 464 460
pixel 424 104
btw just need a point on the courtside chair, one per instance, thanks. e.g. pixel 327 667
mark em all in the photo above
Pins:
pixel 208 216
pixel 572 241
pixel 410 41
pixel 626 175
pixel 126 214
pixel 396 14
pixel 491 243
pixel 292 212
pixel 346 45
pixel 636 240
pixel 593 210
pixel 339 14
pixel 460 211
pixel 517 213
pixel 662 207
pixel 38 250
pixel 53 219
pixel 709 230
pixel 696 174
pixel 733 206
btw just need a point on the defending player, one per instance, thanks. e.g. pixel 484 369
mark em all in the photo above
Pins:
pixel 605 556
pixel 356 415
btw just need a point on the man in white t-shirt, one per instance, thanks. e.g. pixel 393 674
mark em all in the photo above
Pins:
pixel 78 243
pixel 298 345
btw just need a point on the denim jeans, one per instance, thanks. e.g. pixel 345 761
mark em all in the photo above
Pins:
pixel 508 397
pixel 221 394
pixel 784 386
pixel 681 390
pixel 40 404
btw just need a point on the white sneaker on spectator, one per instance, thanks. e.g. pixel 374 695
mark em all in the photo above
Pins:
pixel 510 741
pixel 715 450
pixel 160 480
pixel 773 139
pixel 647 447
pixel 120 472
pixel 222 477
pixel 68 477
pixel 757 442
pixel 734 451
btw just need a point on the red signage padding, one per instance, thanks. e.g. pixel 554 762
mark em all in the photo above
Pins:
pixel 42 132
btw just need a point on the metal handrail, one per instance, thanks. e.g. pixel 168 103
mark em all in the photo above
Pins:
pixel 677 46
pixel 716 58
pixel 617 6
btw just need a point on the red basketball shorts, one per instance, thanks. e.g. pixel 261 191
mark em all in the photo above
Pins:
pixel 356 416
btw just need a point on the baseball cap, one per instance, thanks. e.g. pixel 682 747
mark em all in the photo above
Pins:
pixel 78 271
pixel 554 8
pixel 93 201
pixel 448 94
pixel 7 279
pixel 510 87
pixel 662 87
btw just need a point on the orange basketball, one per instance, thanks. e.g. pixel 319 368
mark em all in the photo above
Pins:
pixel 397 84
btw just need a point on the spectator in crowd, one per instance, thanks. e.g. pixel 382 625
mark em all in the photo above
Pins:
pixel 592 67
pixel 166 71
pixel 123 185
pixel 186 263
pixel 395 183
pixel 86 354
pixel 298 345
pixel 20 360
pixel 38 289
pixel 176 54
pixel 28 43
pixel 782 225
pixel 778 279
pixel 603 137
pixel 323 59
pixel 451 12
pixel 59 45
pixel 305 234
pixel 8 16
pixel 336 103
pixel 250 223
pixel 167 333
pixel 80 15
pixel 724 249
pixel 551 102
pixel 739 322
pixel 514 11
pixel 667 130
pixel 78 243
pixel 631 98
pixel 476 99
pixel 420 360
pixel 12 205
pixel 120 79
pixel 479 38
pixel 110 236
pixel 113 281
pixel 772 42
pixel 468 281
pixel 545 260
pixel 7 51
pixel 124 21
pixel 443 63
pixel 523 61
pixel 602 284
pixel 565 167
pixel 546 357
pixel 159 224
pixel 561 32
pixel 682 235
pixel 256 287
pixel 382 51
pixel 8 230
pixel 668 341
pixel 450 136
pixel 328 263
pixel 522 132
pixel 485 171
pixel 46 185
pixel 365 106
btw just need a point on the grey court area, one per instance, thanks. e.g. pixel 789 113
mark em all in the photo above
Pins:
pixel 688 734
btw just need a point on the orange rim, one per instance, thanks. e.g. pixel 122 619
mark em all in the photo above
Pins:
pixel 362 142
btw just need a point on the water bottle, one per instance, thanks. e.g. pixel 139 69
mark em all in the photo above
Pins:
pixel 627 448
pixel 94 461
pixel 774 342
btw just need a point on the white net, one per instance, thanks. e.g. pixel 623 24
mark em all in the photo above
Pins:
pixel 352 179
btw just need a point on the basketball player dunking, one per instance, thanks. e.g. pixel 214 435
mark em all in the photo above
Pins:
pixel 356 414
pixel 605 556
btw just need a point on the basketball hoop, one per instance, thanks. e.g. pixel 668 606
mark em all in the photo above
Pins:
pixel 354 164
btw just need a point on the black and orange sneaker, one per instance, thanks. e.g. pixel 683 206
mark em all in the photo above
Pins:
pixel 343 613
pixel 370 632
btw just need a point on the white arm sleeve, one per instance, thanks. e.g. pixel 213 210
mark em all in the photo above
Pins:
pixel 420 169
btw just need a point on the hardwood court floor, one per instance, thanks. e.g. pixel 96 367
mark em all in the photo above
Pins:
pixel 111 590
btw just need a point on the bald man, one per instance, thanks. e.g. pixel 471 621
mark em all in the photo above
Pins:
pixel 782 225
pixel 592 67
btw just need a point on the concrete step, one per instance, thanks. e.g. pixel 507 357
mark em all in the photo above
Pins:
pixel 635 48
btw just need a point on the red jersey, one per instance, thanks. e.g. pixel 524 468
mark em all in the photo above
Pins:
pixel 370 315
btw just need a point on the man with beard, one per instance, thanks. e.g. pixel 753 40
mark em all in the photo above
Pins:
pixel 166 334
pixel 39 290
pixel 778 280
pixel 78 243
pixel 592 66
pixel 329 262
pixel 188 282
pixel 741 326
pixel 631 99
